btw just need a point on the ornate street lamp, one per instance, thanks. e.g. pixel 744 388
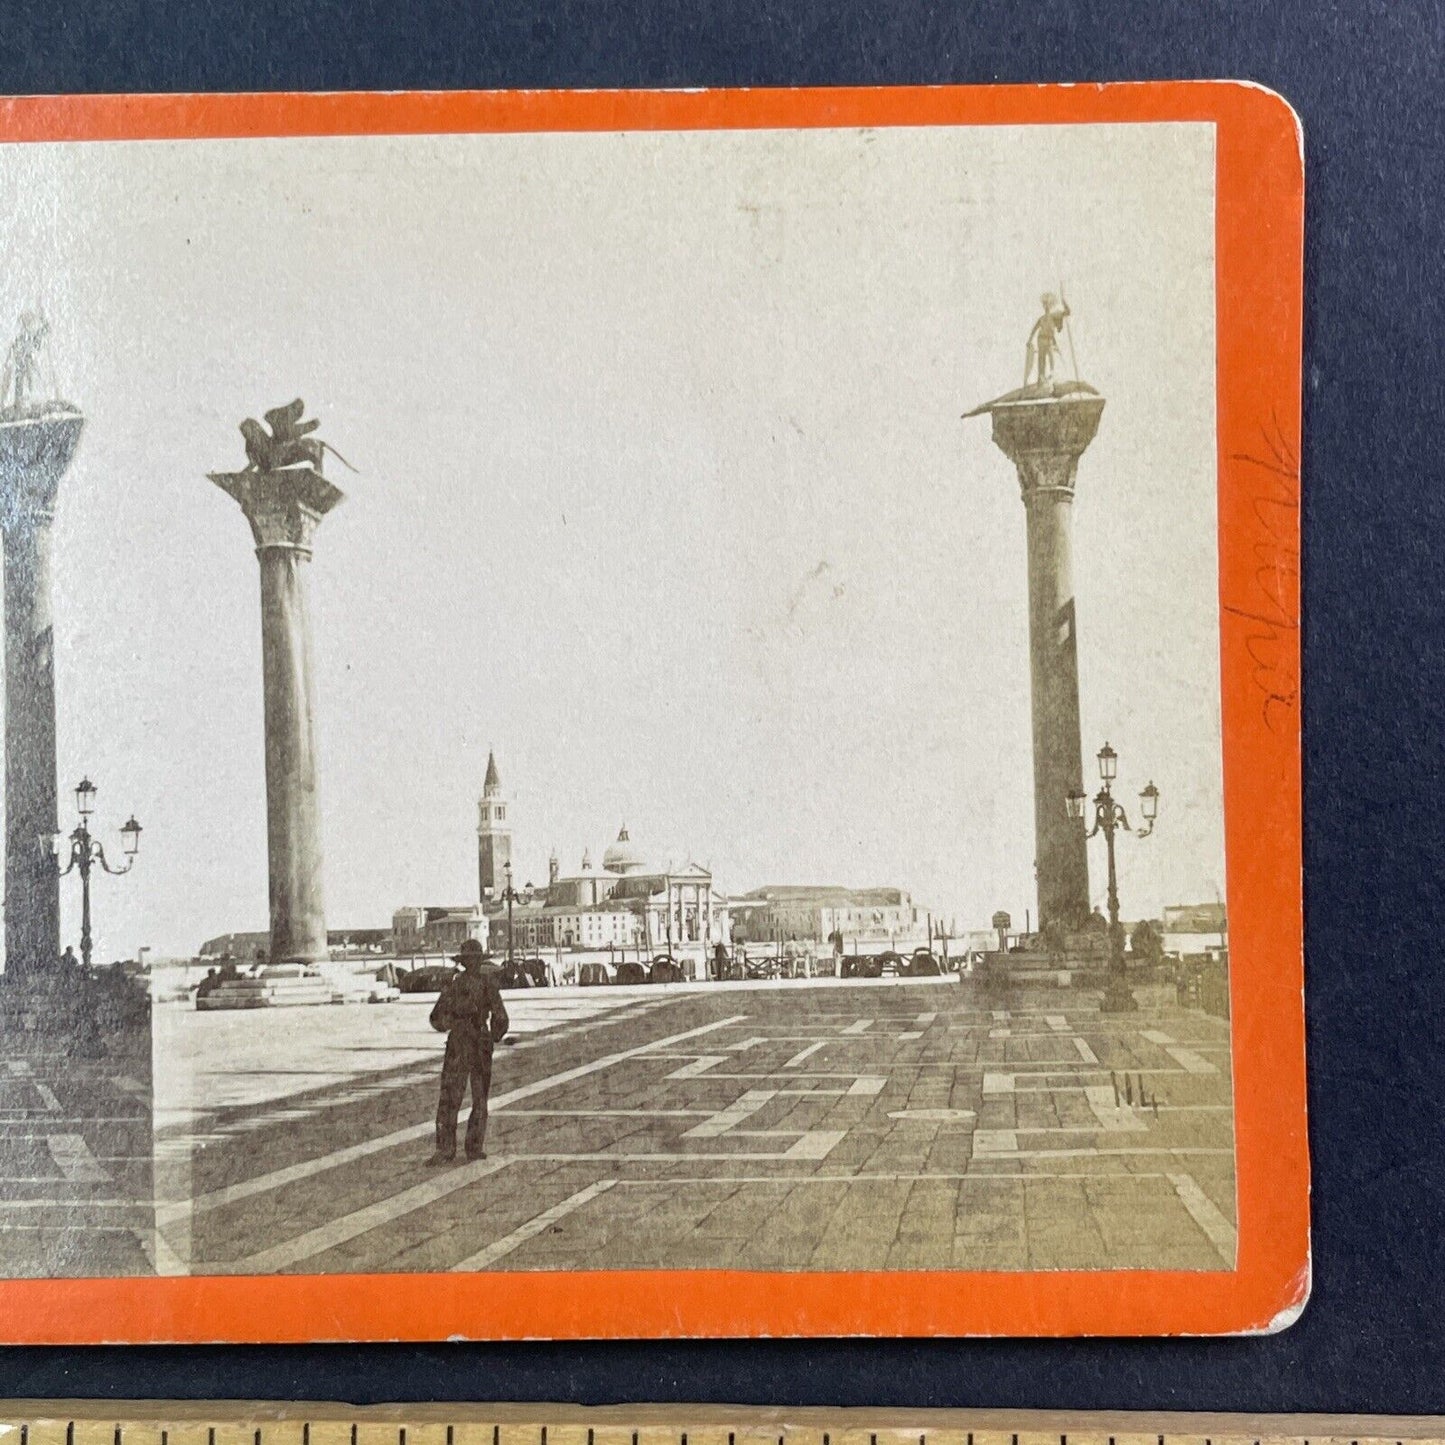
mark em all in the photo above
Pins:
pixel 86 851
pixel 510 894
pixel 1109 818
pixel 1149 807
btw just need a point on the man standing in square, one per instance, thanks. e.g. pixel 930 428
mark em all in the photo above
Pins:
pixel 471 1013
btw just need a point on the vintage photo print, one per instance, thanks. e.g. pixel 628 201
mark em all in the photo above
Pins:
pixel 630 698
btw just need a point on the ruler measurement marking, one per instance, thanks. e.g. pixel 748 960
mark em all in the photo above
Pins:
pixel 56 1429
pixel 103 1431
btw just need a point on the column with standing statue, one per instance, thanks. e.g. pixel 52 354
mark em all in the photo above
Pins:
pixel 1043 428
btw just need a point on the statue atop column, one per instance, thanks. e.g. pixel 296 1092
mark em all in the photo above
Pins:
pixel 288 444
pixel 282 488
pixel 1042 381
pixel 1043 348
pixel 22 365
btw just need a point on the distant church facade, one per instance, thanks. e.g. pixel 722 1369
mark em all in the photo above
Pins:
pixel 635 903
pixel 630 903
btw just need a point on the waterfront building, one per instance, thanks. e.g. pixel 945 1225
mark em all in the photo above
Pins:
pixel 863 916
pixel 634 901
pixel 1194 928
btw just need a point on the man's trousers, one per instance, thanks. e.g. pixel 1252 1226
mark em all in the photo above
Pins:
pixel 465 1059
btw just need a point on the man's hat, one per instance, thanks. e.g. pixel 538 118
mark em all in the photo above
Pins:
pixel 469 950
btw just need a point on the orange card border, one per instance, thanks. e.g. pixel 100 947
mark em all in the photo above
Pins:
pixel 1259 256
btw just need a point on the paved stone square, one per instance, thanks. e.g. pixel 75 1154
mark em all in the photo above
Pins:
pixel 75 1164
pixel 892 1124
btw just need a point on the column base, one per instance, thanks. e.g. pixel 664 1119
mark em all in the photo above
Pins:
pixel 1118 998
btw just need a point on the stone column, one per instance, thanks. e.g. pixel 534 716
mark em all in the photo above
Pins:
pixel 34 453
pixel 1044 437
pixel 284 508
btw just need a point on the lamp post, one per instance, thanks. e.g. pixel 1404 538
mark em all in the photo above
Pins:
pixel 1109 818
pixel 86 851
pixel 510 894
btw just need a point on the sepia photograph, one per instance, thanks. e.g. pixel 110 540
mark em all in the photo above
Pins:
pixel 617 700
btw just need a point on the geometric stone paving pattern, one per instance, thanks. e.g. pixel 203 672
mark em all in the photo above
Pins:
pixel 823 1125
pixel 75 1164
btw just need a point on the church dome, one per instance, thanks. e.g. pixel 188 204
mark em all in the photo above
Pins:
pixel 623 856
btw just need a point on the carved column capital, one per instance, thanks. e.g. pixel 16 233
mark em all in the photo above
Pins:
pixel 283 507
pixel 1044 439
pixel 34 452
pixel 1047 474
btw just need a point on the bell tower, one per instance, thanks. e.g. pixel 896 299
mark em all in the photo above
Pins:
pixel 494 835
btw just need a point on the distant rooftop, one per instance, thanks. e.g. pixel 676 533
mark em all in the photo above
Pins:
pixel 1195 918
pixel 830 895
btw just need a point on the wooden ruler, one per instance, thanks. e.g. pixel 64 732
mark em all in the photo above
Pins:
pixel 237 1423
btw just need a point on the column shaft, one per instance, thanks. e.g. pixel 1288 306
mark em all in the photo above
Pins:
pixel 32 880
pixel 284 508
pixel 1060 847
pixel 293 836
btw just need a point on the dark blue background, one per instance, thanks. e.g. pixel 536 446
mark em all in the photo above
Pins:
pixel 1366 78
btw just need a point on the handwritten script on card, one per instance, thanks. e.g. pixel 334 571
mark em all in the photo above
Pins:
pixel 1271 608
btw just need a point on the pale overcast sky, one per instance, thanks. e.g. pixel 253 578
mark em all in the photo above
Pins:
pixel 663 492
